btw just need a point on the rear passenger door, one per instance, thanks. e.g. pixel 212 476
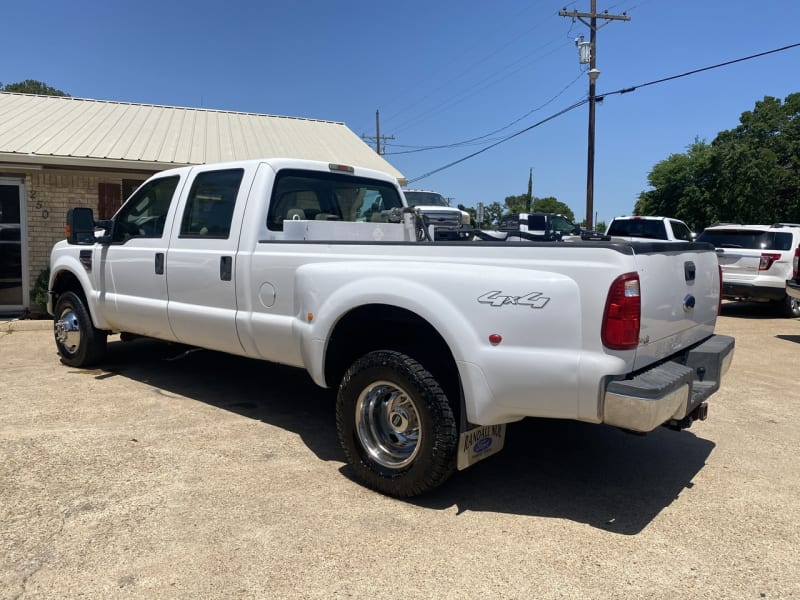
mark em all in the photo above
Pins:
pixel 201 259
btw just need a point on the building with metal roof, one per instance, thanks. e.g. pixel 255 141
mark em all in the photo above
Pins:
pixel 57 152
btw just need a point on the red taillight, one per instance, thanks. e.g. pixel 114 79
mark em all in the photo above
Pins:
pixel 767 260
pixel 622 317
pixel 795 262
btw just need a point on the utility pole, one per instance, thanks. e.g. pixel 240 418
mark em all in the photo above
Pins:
pixel 378 137
pixel 593 74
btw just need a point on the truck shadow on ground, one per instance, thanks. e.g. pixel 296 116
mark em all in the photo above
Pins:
pixel 593 474
pixel 750 310
pixel 586 473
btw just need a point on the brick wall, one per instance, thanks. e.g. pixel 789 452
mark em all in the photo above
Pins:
pixel 49 193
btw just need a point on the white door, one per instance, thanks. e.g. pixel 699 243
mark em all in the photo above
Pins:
pixel 201 261
pixel 132 281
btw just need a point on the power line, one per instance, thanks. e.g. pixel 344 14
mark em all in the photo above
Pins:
pixel 446 83
pixel 593 26
pixel 479 86
pixel 505 139
pixel 475 140
pixel 695 71
pixel 586 100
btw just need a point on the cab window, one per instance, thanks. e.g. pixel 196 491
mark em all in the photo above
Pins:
pixel 145 213
pixel 209 208
pixel 681 231
pixel 320 196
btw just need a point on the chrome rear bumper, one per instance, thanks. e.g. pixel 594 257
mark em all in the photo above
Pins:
pixel 670 391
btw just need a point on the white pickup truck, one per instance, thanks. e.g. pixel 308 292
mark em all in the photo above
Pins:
pixel 631 228
pixel 433 346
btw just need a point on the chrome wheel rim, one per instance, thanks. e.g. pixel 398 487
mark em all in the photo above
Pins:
pixel 388 424
pixel 68 331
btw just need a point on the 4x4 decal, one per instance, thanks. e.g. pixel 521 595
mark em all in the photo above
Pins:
pixel 532 299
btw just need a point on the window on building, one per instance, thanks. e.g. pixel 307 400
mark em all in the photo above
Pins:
pixel 108 200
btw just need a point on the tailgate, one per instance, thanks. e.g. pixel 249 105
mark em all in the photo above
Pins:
pixel 680 299
pixel 739 264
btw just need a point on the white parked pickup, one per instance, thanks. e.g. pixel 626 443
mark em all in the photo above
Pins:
pixel 650 228
pixel 433 347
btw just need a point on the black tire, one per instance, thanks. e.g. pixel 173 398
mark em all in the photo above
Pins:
pixel 396 425
pixel 78 342
pixel 789 307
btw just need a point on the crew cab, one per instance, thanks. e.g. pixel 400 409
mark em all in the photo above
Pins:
pixel 432 346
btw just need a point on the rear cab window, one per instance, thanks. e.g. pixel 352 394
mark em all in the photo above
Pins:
pixel 209 208
pixel 681 231
pixel 749 239
pixel 644 228
pixel 320 196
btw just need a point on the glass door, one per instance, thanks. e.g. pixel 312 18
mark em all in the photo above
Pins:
pixel 11 251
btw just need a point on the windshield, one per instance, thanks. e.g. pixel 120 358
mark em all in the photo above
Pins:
pixel 425 199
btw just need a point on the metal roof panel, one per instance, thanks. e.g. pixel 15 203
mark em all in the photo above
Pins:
pixel 53 129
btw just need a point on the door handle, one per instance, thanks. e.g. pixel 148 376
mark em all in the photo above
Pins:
pixel 225 268
pixel 159 263
pixel 689 270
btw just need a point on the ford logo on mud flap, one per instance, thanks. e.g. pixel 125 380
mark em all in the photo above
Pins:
pixel 481 445
pixel 688 303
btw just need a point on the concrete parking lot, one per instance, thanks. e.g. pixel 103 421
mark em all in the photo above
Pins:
pixel 175 474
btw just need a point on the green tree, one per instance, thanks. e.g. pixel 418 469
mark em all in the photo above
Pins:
pixel 553 205
pixel 758 164
pixel 519 204
pixel 31 86
pixel 491 215
pixel 683 187
pixel 749 174
pixel 516 204
pixel 529 198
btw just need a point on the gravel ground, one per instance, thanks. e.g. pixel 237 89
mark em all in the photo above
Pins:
pixel 174 474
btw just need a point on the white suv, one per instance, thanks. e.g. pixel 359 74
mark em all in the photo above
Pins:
pixel 756 262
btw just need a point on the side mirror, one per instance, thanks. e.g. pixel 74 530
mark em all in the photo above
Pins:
pixel 80 226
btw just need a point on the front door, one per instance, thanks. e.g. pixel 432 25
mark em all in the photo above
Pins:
pixel 132 285
pixel 13 253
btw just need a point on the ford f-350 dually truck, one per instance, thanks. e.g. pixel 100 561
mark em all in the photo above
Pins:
pixel 433 347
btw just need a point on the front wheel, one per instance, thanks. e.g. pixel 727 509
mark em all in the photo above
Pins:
pixel 78 342
pixel 395 424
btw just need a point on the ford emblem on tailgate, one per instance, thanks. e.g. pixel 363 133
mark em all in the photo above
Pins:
pixel 688 303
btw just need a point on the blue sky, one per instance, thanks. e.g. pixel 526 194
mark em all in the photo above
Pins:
pixel 440 72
